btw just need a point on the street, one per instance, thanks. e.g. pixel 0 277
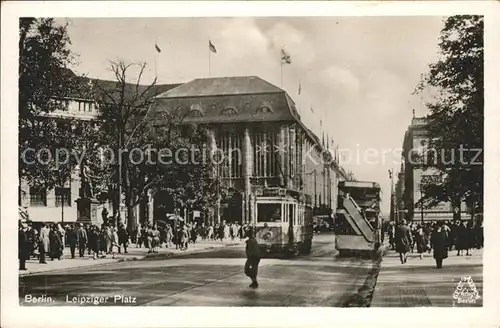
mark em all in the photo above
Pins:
pixel 209 278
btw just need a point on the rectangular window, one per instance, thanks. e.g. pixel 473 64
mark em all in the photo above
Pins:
pixel 38 196
pixel 269 212
pixel 63 195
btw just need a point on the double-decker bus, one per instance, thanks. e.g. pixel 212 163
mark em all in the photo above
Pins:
pixel 358 224
pixel 283 223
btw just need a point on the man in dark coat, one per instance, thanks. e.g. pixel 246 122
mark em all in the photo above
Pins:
pixel 23 246
pixel 403 240
pixel 82 239
pixel 439 241
pixel 253 258
pixel 72 240
pixel 123 237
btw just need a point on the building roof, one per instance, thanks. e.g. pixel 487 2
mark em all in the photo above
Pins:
pixel 221 86
pixel 87 86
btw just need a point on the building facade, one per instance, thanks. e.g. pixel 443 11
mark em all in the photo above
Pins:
pixel 267 150
pixel 58 204
pixel 409 192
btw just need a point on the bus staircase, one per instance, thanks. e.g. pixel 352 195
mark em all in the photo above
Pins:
pixel 354 216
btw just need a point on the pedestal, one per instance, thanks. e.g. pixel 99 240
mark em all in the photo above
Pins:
pixel 87 211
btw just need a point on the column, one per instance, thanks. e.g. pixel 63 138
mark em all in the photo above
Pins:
pixel 150 206
pixel 212 147
pixel 292 160
pixel 284 158
pixel 247 173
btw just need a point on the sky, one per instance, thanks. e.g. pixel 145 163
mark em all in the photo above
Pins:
pixel 357 74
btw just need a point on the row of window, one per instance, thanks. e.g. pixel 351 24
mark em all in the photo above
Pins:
pixel 38 197
pixel 76 106
pixel 280 212
pixel 196 111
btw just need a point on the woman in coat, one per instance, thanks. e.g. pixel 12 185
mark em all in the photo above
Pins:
pixel 56 243
pixel 44 242
pixel 421 241
pixel 439 241
pixel 403 240
pixel 462 238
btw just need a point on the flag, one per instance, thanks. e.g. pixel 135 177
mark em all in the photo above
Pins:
pixel 157 48
pixel 211 47
pixel 285 58
pixel 300 88
pixel 312 111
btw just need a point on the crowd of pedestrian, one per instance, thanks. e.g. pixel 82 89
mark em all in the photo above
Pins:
pixel 437 237
pixel 108 240
pixel 181 234
pixel 51 239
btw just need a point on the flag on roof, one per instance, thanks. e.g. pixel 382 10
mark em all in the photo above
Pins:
pixel 211 47
pixel 157 48
pixel 285 58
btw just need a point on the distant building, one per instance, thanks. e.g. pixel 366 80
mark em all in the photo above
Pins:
pixel 58 204
pixel 408 188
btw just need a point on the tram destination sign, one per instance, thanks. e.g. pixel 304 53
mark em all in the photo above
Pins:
pixel 359 184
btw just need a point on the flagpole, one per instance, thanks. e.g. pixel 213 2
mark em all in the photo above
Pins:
pixel 209 60
pixel 156 58
pixel 281 74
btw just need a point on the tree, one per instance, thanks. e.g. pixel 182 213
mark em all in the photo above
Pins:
pixel 128 128
pixel 45 85
pixel 456 119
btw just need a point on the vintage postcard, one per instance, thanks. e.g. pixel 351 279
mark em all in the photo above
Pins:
pixel 250 164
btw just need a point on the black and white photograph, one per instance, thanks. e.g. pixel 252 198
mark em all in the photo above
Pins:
pixel 260 161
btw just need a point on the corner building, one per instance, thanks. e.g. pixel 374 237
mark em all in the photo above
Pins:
pixel 271 160
pixel 409 191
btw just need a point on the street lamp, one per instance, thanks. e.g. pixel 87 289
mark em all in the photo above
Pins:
pixel 421 205
pixel 392 216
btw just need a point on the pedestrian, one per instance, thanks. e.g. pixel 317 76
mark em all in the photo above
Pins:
pixel 184 238
pixel 95 239
pixel 462 238
pixel 122 238
pixel 82 240
pixel 23 246
pixel 168 235
pixel 155 238
pixel 253 259
pixel 115 242
pixel 440 244
pixel 421 241
pixel 56 244
pixel 403 240
pixel 72 238
pixel 44 242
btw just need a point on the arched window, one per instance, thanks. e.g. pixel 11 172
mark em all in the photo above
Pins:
pixel 264 109
pixel 229 111
pixel 195 113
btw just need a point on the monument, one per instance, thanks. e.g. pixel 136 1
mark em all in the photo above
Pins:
pixel 87 204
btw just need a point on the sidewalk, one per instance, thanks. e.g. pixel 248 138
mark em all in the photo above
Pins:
pixel 418 283
pixel 134 253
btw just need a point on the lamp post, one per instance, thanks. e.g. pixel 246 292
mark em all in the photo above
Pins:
pixel 421 205
pixel 392 216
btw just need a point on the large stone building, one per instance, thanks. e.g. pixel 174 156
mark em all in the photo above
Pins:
pixel 278 156
pixel 408 191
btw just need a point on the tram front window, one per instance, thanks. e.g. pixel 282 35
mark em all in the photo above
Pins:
pixel 269 213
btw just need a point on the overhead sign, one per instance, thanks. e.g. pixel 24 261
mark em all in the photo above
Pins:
pixel 358 184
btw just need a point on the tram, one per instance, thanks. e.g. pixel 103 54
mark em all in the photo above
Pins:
pixel 358 224
pixel 283 223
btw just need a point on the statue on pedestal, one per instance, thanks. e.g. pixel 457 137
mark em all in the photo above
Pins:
pixel 87 204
